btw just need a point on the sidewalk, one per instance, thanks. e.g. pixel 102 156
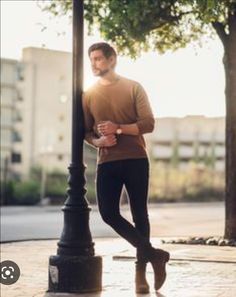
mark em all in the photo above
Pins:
pixel 193 270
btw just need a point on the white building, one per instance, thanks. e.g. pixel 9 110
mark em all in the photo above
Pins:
pixel 192 138
pixel 43 97
pixel 10 116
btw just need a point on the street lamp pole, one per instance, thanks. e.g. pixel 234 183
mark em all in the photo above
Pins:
pixel 75 268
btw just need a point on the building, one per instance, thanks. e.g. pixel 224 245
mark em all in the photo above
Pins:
pixel 192 138
pixel 10 116
pixel 37 91
pixel 47 92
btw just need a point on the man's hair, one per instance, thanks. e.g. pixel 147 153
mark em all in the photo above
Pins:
pixel 107 50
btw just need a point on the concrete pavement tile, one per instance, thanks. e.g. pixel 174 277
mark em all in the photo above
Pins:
pixel 188 252
pixel 185 278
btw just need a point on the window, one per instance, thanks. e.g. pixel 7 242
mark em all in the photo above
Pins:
pixel 16 158
pixel 17 117
pixel 61 78
pixel 61 118
pixel 60 137
pixel 19 96
pixel 20 72
pixel 16 137
pixel 60 157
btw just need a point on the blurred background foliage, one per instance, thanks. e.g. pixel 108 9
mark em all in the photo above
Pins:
pixel 197 182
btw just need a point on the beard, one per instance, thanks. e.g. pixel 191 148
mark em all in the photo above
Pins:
pixel 101 72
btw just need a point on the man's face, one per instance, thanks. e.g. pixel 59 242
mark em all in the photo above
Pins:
pixel 100 64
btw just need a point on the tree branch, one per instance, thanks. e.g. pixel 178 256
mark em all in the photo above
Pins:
pixel 220 30
pixel 184 13
pixel 163 19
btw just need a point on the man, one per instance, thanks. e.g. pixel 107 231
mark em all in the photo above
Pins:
pixel 117 113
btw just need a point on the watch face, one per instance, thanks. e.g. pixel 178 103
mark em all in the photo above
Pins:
pixel 119 131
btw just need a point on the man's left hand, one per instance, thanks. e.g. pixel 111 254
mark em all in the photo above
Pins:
pixel 107 127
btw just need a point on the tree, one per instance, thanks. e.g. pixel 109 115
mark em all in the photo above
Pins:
pixel 135 26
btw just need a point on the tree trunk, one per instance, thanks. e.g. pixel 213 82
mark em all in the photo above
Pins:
pixel 230 165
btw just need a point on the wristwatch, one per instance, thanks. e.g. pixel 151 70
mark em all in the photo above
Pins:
pixel 119 130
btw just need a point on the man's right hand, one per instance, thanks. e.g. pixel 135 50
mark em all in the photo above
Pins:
pixel 105 141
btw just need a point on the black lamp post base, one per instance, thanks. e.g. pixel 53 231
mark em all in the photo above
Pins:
pixel 75 274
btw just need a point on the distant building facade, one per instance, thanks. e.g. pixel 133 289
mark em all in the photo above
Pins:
pixel 10 116
pixel 36 102
pixel 178 141
pixel 37 92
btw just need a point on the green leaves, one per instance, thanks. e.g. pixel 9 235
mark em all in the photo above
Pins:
pixel 140 25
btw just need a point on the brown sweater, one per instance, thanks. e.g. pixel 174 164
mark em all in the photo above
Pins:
pixel 123 102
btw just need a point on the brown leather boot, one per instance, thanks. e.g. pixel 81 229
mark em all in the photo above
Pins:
pixel 158 261
pixel 141 285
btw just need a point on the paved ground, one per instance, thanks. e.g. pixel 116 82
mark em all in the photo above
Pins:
pixel 167 219
pixel 193 271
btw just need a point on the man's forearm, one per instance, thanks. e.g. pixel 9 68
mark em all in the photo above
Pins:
pixel 130 129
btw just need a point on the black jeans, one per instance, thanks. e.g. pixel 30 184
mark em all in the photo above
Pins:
pixel 134 174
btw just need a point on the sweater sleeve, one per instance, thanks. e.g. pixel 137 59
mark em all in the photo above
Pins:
pixel 88 121
pixel 145 118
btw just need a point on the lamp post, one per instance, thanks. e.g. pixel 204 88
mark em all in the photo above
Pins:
pixel 75 268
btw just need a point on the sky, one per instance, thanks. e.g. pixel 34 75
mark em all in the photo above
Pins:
pixel 189 81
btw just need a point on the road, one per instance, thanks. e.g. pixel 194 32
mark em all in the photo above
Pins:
pixel 167 220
